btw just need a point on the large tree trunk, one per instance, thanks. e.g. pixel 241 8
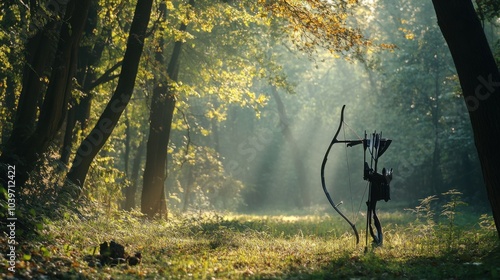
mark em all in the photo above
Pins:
pixel 162 111
pixel 93 143
pixel 161 116
pixel 25 152
pixel 480 82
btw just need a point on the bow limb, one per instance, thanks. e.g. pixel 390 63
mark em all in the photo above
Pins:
pixel 325 159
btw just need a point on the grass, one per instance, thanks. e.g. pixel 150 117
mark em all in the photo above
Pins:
pixel 229 246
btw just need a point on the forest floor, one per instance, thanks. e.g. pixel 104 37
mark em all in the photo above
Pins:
pixel 228 246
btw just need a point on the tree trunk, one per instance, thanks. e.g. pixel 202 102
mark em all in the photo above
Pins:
pixel 93 143
pixel 187 188
pixel 87 59
pixel 302 198
pixel 25 154
pixel 161 116
pixel 131 190
pixel 480 82
pixel 162 111
pixel 40 51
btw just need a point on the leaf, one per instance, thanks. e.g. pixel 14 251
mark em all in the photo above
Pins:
pixel 45 251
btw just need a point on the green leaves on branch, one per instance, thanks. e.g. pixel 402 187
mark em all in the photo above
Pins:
pixel 314 23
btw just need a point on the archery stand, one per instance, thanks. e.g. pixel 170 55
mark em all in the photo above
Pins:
pixel 379 188
pixel 379 184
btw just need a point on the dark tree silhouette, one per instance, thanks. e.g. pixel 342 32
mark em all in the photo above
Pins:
pixel 480 82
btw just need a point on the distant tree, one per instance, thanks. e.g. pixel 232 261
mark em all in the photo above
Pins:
pixel 480 82
pixel 301 196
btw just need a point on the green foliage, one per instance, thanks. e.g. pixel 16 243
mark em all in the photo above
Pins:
pixel 496 51
pixel 200 181
pixel 105 184
pixel 451 231
pixel 450 211
pixel 12 34
pixel 425 216
pixel 488 9
pixel 315 23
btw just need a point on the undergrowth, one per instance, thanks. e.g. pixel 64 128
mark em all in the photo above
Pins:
pixel 430 241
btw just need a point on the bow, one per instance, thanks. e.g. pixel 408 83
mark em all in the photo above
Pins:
pixel 325 159
pixel 378 183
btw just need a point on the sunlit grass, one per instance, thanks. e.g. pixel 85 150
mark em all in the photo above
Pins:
pixel 235 246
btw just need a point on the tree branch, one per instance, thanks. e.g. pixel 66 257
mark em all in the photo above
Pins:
pixel 106 77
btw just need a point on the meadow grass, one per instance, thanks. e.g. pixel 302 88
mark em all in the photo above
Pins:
pixel 235 246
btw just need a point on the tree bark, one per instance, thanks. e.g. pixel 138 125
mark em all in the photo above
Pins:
pixel 93 143
pixel 161 116
pixel 480 82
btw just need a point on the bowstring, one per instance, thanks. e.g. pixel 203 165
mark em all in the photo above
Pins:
pixel 352 130
pixel 355 213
